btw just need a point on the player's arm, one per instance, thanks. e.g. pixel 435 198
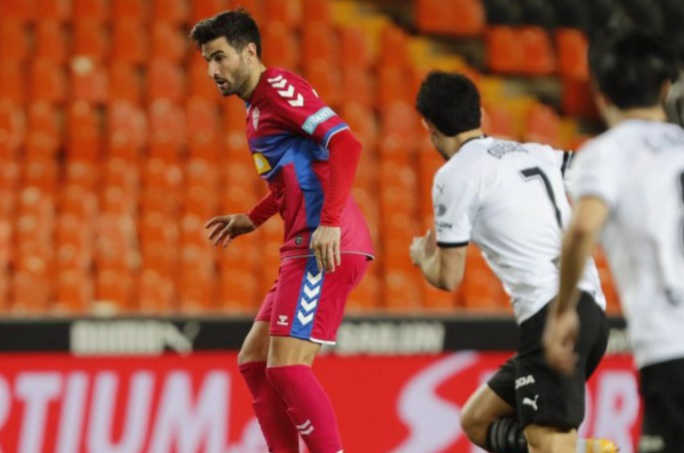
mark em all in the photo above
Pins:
pixel 441 254
pixel 265 208
pixel 442 266
pixel 225 228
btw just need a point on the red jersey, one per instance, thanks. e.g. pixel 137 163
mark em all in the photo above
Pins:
pixel 288 130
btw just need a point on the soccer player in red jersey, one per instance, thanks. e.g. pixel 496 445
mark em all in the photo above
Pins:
pixel 308 156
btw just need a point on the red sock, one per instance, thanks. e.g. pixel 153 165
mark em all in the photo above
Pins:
pixel 309 407
pixel 270 410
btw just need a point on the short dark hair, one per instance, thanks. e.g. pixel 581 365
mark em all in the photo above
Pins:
pixel 450 101
pixel 630 67
pixel 237 26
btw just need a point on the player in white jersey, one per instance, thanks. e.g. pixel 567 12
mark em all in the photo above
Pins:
pixel 509 199
pixel 628 184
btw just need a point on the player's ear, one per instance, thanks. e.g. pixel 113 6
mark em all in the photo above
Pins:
pixel 250 51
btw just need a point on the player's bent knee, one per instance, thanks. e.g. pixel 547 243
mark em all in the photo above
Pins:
pixel 474 425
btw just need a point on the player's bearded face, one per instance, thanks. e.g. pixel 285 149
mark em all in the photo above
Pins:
pixel 227 67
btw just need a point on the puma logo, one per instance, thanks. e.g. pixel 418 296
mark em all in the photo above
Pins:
pixel 532 403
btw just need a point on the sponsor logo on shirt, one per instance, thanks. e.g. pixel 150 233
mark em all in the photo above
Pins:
pixel 500 149
pixel 316 119
pixel 441 226
pixel 523 381
pixel 261 163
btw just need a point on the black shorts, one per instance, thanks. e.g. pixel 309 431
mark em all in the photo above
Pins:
pixel 540 395
pixel 662 389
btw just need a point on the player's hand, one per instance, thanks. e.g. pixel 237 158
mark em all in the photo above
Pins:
pixel 560 337
pixel 423 247
pixel 325 243
pixel 225 228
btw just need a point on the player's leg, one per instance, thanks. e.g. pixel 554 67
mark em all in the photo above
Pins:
pixel 663 424
pixel 551 405
pixel 489 419
pixel 308 309
pixel 269 407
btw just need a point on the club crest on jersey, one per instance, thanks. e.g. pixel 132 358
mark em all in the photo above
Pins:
pixel 261 163
pixel 255 117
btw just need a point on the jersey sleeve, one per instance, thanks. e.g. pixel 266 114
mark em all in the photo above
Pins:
pixel 301 111
pixel 455 205
pixel 594 174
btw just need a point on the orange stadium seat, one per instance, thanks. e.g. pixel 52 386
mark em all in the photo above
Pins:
pixel 450 17
pixel 197 282
pixel 206 8
pixel 124 82
pixel 76 200
pixel 498 121
pixel 126 131
pixel 89 39
pixel 360 119
pixel 73 291
pixel 401 120
pixel 286 11
pixel 44 137
pixel 203 129
pixel 503 52
pixel 572 53
pixel 129 9
pixel 279 47
pixel 538 55
pixel 115 289
pixel 82 173
pixel 168 42
pixel 129 41
pixel 172 11
pixel 96 11
pixel 47 81
pixel 165 80
pixel 238 289
pixel 482 290
pixel 326 79
pixel 394 47
pixel 13 45
pixel 58 10
pixel 199 84
pixel 200 201
pixel 543 126
pixel 155 292
pixel 316 11
pixel 12 128
pixel 88 80
pixel 50 41
pixel 355 51
pixel 392 86
pixel 578 99
pixel 319 43
pixel 29 292
pixel 17 9
pixel 401 289
pixel 440 300
pixel 84 134
pixel 41 172
pixel 12 81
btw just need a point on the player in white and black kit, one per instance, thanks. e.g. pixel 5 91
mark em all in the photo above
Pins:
pixel 509 199
pixel 628 184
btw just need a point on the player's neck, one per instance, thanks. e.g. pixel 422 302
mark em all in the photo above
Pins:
pixel 466 136
pixel 253 82
pixel 647 113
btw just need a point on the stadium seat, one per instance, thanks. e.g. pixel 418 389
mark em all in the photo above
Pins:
pixel 12 128
pixel 47 81
pixel 319 43
pixel 316 11
pixel 91 10
pixel 76 200
pixel 129 10
pixel 113 291
pixel 129 41
pixel 57 10
pixel 13 42
pixel 538 55
pixel 394 47
pixel 22 10
pixel 238 290
pixel 543 126
pixel 367 295
pixel 88 80
pixel 391 86
pixel 124 82
pixel 279 47
pixel 197 282
pixel 286 11
pixel 165 80
pixel 29 293
pixel 355 50
pixel 482 290
pixel 41 172
pixel 172 11
pixel 12 81
pixel 206 8
pixel 199 84
pixel 126 131
pixel 450 17
pixel 401 290
pixel 50 41
pixel 44 135
pixel 503 54
pixel 168 42
pixel 203 129
pixel 324 76
pixel 155 293
pixel 577 98
pixel 73 292
pixel 498 121
pixel 84 135
pixel 360 119
pixel 572 53
pixel 89 39
pixel 80 172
